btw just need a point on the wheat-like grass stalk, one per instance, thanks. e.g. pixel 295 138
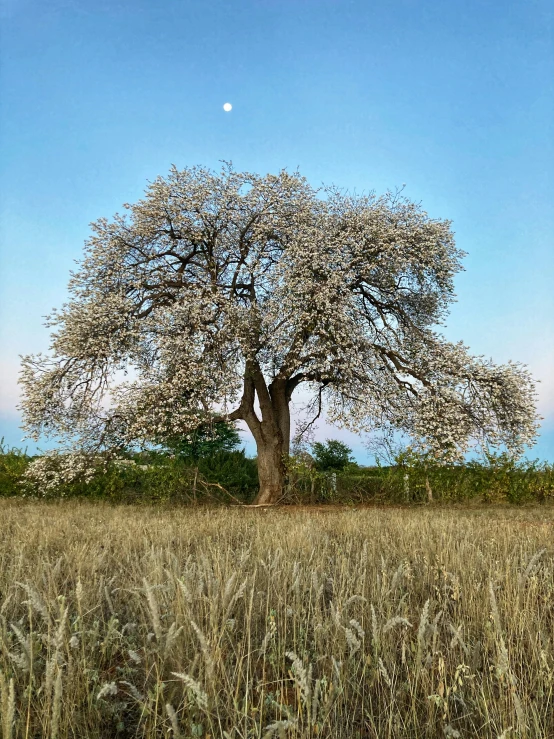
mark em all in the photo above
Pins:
pixel 173 721
pixel 228 591
pixel 421 639
pixel 206 653
pixel 56 706
pixel 353 642
pixel 374 633
pixel 154 611
pixel 300 676
pixel 133 690
pixel 7 695
pixel 396 621
pixel 315 701
pixel 522 579
pixel 93 654
pixel 23 660
pixel 171 638
pixel 504 662
pixel 457 638
pixel 60 631
pixel 279 728
pixel 200 695
pixel 383 671
pixel 435 630
pixel 36 602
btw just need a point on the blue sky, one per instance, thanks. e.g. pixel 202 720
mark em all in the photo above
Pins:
pixel 455 99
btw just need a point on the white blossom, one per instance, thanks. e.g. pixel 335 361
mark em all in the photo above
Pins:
pixel 217 291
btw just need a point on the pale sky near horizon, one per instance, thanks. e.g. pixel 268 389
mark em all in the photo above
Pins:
pixel 454 99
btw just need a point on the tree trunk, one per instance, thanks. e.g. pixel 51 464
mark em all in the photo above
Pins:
pixel 428 489
pixel 271 432
pixel 271 472
pixel 273 443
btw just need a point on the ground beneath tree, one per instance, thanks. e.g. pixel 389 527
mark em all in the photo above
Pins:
pixel 437 505
pixel 519 512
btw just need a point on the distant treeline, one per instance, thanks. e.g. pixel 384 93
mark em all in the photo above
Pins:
pixel 213 471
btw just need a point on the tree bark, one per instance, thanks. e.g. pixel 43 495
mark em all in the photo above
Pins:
pixel 271 433
pixel 428 489
pixel 273 443
pixel 271 472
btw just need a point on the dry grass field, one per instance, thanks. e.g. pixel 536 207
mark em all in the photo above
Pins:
pixel 235 623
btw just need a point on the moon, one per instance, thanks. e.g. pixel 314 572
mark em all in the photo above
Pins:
pixel 227 107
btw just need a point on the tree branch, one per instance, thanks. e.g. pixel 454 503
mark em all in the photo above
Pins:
pixel 305 428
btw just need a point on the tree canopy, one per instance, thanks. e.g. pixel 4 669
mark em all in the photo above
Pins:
pixel 223 293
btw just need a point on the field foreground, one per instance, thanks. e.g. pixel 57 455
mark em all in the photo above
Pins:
pixel 235 623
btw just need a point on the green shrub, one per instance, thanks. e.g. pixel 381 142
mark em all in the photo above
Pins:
pixel 13 463
pixel 205 441
pixel 159 477
pixel 229 476
pixel 233 470
pixel 332 456
pixel 418 479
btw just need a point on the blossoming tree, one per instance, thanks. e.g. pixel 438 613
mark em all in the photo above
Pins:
pixel 227 292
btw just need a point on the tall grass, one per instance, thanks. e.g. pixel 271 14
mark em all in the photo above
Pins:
pixel 160 622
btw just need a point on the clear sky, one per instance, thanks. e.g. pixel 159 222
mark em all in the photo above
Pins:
pixel 455 99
